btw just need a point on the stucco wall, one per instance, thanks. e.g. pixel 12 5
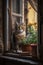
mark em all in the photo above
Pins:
pixel 32 14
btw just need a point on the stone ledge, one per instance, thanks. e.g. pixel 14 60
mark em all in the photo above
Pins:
pixel 19 60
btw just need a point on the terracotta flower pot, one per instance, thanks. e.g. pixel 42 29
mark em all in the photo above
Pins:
pixel 32 49
pixel 27 48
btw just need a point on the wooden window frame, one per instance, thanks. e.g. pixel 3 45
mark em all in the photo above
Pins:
pixel 39 36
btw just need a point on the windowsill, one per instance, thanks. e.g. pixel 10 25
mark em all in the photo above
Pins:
pixel 23 59
pixel 22 54
pixel 19 60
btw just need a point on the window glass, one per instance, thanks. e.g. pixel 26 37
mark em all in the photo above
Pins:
pixel 16 20
pixel 16 6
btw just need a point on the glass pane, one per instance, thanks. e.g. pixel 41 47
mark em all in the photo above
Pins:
pixel 16 6
pixel 17 20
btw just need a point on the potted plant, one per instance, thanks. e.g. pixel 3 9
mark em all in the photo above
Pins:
pixel 30 42
pixel 25 45
pixel 33 40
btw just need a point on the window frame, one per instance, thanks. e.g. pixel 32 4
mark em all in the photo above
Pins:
pixel 21 15
pixel 10 22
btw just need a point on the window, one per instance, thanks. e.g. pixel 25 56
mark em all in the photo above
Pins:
pixel 17 15
pixel 24 27
pixel 25 12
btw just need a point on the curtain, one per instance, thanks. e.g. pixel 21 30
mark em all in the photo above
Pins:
pixel 34 4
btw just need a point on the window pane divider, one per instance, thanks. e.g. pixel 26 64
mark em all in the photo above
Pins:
pixel 16 14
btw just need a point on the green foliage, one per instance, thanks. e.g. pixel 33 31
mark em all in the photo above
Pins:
pixel 24 41
pixel 32 37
